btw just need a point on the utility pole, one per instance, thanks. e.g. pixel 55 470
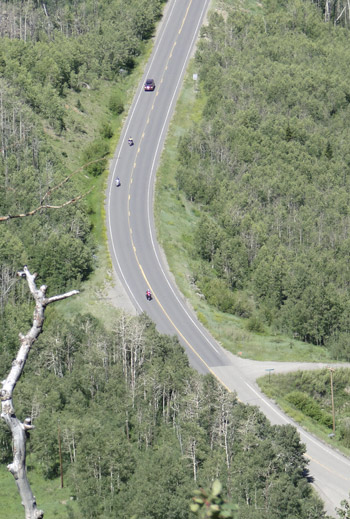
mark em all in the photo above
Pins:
pixel 331 371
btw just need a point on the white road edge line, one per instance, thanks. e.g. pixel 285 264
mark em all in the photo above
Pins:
pixel 115 159
pixel 150 184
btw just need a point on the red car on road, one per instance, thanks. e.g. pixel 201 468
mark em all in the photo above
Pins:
pixel 150 85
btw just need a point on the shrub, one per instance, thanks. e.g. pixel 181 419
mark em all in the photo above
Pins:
pixel 243 305
pixel 309 407
pixel 96 151
pixel 218 294
pixel 254 324
pixel 344 431
pixel 106 130
pixel 116 104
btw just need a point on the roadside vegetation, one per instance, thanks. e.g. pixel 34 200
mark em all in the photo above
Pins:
pixel 219 171
pixel 55 501
pixel 140 430
pixel 176 218
pixel 307 397
pixel 62 106
pixel 257 183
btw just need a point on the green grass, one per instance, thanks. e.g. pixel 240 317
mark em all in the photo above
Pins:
pixel 57 503
pixel 174 219
pixel 82 128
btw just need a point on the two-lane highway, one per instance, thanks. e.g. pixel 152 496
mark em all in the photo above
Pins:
pixel 135 253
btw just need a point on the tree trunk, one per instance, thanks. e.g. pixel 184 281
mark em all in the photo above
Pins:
pixel 20 430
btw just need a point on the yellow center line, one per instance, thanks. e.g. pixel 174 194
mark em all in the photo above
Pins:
pixel 327 468
pixel 131 237
pixel 147 281
pixel 184 18
pixel 172 322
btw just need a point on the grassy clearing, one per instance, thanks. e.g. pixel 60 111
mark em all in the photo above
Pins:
pixel 56 502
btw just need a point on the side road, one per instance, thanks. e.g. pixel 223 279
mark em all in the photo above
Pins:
pixel 253 369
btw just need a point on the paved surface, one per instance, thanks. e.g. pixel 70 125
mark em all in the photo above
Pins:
pixel 139 263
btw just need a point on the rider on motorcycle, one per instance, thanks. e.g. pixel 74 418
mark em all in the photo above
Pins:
pixel 130 141
pixel 148 294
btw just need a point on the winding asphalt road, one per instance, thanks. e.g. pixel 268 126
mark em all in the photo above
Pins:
pixel 138 260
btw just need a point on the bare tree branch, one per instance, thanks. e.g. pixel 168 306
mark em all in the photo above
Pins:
pixel 64 181
pixel 50 191
pixel 41 207
pixel 17 428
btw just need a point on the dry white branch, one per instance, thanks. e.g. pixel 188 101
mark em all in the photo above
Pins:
pixel 341 14
pixel 49 192
pixel 65 180
pixel 18 429
pixel 42 207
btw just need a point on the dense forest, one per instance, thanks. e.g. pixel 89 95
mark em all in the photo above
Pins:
pixel 140 430
pixel 268 166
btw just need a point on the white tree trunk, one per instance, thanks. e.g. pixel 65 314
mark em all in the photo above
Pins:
pixel 17 428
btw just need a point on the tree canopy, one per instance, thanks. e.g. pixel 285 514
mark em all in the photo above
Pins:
pixel 268 165
pixel 140 430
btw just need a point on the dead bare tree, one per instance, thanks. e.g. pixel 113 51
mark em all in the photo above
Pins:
pixel 327 11
pixel 20 429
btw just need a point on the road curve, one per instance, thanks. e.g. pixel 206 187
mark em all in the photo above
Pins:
pixel 137 258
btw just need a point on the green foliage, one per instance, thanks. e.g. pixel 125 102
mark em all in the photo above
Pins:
pixel 106 130
pixel 309 407
pixel 116 104
pixel 5 444
pixel 267 166
pixel 218 294
pixel 339 346
pixel 57 502
pixel 344 511
pixel 310 393
pixel 138 426
pixel 48 54
pixel 94 155
pixel 211 504
pixel 344 431
pixel 254 324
